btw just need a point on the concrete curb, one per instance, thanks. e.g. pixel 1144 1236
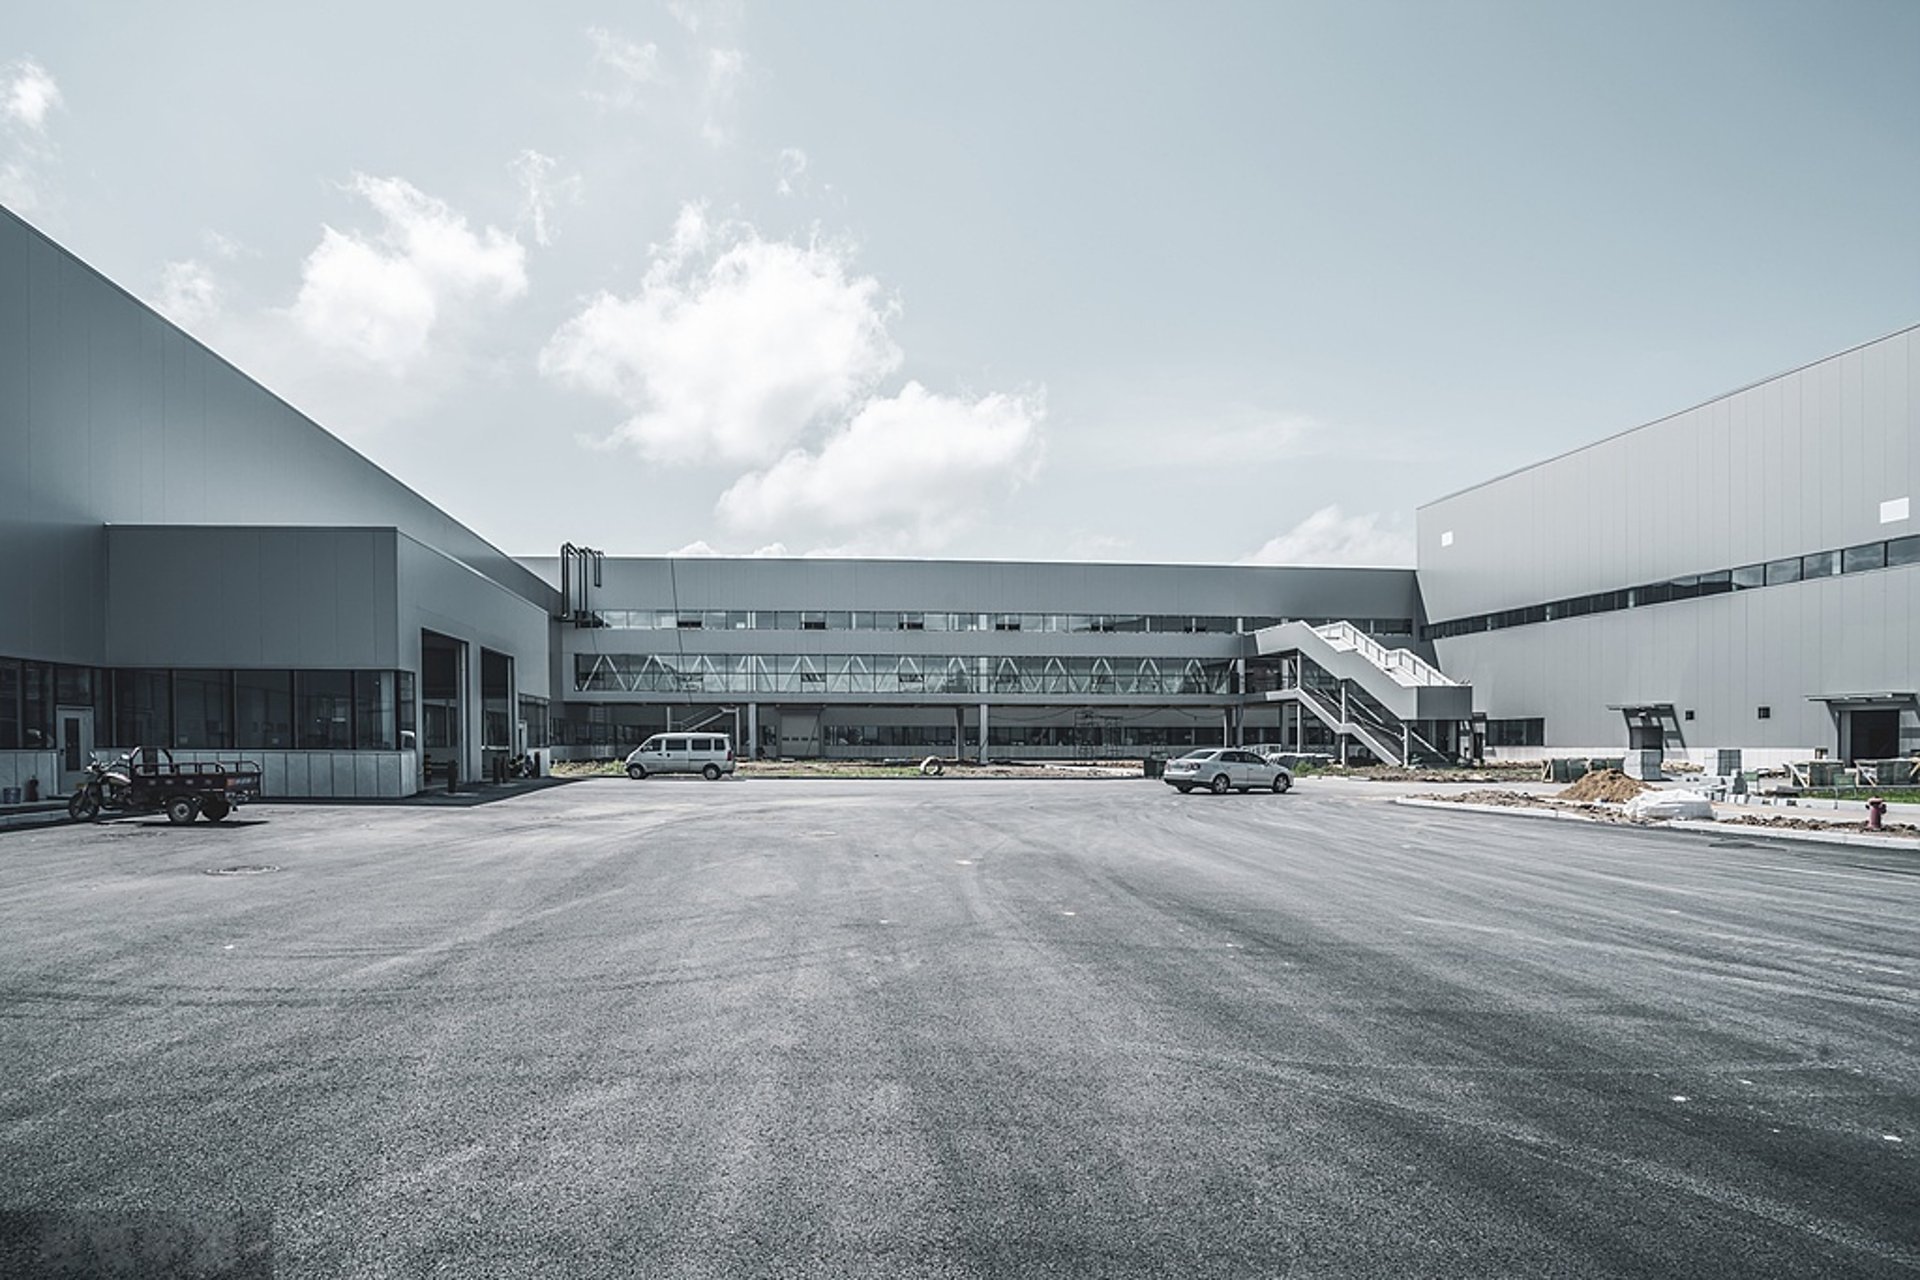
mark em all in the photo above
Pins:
pixel 1731 830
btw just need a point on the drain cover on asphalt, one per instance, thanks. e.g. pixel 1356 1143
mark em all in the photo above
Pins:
pixel 251 870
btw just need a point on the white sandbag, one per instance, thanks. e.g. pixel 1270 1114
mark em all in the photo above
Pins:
pixel 1670 804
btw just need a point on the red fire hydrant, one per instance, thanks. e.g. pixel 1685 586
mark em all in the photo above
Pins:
pixel 1876 810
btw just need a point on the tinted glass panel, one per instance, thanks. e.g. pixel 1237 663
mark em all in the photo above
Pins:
pixel 202 707
pixel 1779 571
pixel 324 704
pixel 1821 564
pixel 143 711
pixel 263 708
pixel 1871 556
pixel 375 711
pixel 1904 550
pixel 1753 575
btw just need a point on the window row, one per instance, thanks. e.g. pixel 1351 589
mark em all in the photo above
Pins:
pixel 895 673
pixel 208 709
pixel 1821 564
pixel 872 620
pixel 1530 732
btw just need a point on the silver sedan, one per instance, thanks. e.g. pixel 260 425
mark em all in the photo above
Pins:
pixel 1224 769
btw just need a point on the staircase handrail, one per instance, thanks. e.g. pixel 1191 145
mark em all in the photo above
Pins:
pixel 1395 662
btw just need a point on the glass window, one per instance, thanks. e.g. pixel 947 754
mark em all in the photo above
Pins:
pixel 1716 583
pixel 375 711
pixel 1779 571
pixel 143 708
pixel 202 709
pixel 1752 575
pixel 263 708
pixel 1821 564
pixel 9 705
pixel 1872 555
pixel 323 701
pixel 813 620
pixel 407 722
pixel 1904 550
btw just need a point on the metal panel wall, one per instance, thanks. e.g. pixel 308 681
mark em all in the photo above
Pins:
pixel 237 596
pixel 1796 464
pixel 110 415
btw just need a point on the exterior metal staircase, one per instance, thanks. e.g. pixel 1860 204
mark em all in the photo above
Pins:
pixel 1361 689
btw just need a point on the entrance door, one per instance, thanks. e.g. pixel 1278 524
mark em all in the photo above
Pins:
pixel 76 744
pixel 1873 735
pixel 800 734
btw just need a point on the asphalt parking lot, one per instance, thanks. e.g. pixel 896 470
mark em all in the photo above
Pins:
pixel 952 1028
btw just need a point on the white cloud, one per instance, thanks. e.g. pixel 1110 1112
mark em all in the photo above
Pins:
pixel 789 170
pixel 733 347
pixel 917 465
pixel 1329 537
pixel 380 298
pixel 189 294
pixel 700 548
pixel 542 192
pixel 634 65
pixel 686 14
pixel 725 67
pixel 30 92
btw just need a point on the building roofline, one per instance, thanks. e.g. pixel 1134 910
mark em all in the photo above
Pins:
pixel 1725 395
pixel 1012 561
pixel 292 408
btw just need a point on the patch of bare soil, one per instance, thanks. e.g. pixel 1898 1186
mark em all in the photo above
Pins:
pixel 1520 800
pixel 1814 824
pixel 1603 786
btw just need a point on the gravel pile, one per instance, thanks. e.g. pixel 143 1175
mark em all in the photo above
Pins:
pixel 1604 786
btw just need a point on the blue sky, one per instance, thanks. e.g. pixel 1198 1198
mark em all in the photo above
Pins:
pixel 1199 282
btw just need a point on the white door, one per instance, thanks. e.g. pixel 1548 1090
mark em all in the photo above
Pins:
pixel 76 744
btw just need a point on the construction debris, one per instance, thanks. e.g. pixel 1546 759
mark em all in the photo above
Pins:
pixel 1604 786
pixel 1815 824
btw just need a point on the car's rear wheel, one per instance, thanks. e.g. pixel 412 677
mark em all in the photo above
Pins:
pixel 1280 784
pixel 1221 785
pixel 636 771
pixel 711 773
pixel 182 809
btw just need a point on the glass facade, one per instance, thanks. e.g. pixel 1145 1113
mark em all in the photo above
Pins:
pixel 209 710
pixel 921 620
pixel 899 674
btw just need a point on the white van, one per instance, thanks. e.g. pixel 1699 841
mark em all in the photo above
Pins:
pixel 707 754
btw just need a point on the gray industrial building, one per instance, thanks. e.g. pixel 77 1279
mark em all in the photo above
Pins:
pixel 187 561
pixel 1741 574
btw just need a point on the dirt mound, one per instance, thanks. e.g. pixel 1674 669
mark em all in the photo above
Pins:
pixel 1502 799
pixel 1604 786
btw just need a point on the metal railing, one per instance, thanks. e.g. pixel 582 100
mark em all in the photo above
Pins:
pixel 1403 666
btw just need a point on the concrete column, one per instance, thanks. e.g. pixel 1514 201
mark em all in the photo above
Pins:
pixel 983 732
pixel 751 747
pixel 1406 744
pixel 959 733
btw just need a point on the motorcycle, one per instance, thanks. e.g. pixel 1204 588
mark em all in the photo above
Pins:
pixel 104 787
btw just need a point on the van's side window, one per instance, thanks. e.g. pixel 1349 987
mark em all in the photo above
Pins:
pixel 676 744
